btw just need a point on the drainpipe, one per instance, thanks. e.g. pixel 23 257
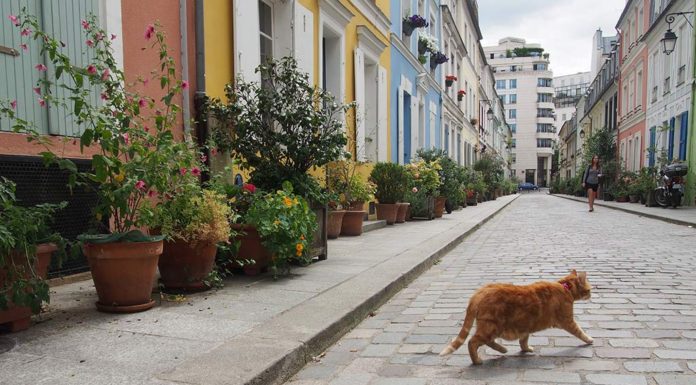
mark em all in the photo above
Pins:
pixel 200 100
pixel 183 29
pixel 690 198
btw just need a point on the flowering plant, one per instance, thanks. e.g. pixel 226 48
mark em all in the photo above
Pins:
pixel 451 78
pixel 438 57
pixel 416 21
pixel 461 93
pixel 351 188
pixel 423 175
pixel 426 42
pixel 137 155
pixel 285 224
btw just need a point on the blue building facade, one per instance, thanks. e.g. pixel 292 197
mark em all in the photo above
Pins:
pixel 416 102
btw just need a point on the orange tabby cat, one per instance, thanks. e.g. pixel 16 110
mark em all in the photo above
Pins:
pixel 514 312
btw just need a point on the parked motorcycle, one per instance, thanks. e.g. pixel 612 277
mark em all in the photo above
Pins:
pixel 671 191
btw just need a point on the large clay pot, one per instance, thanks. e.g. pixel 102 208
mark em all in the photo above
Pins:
pixel 352 223
pixel 184 267
pixel 440 206
pixel 356 206
pixel 123 273
pixel 251 249
pixel 17 318
pixel 401 212
pixel 334 223
pixel 387 212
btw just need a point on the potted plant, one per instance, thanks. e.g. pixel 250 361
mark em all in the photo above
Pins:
pixel 353 192
pixel 452 177
pixel 426 43
pixel 135 156
pixel 437 58
pixel 282 128
pixel 409 23
pixel 285 225
pixel 194 221
pixel 460 95
pixel 449 80
pixel 390 180
pixel 474 122
pixel 26 246
pixel 424 182
pixel 335 218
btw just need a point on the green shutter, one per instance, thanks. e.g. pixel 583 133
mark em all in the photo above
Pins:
pixel 17 73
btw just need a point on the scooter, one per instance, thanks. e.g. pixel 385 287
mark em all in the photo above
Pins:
pixel 671 191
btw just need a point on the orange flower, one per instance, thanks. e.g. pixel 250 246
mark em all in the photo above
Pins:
pixel 302 237
pixel 287 201
pixel 298 249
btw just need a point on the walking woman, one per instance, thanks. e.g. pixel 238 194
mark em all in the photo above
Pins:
pixel 590 181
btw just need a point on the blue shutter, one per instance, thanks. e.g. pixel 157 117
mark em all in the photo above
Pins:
pixel 651 155
pixel 17 73
pixel 670 145
pixel 683 131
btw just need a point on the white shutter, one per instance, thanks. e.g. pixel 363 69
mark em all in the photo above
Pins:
pixel 359 68
pixel 414 126
pixel 304 40
pixel 247 44
pixel 382 114
pixel 400 143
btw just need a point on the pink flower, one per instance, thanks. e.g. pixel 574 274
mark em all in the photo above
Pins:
pixel 42 102
pixel 145 81
pixel 37 90
pixel 105 74
pixel 89 43
pixel 151 193
pixel 196 171
pixel 26 32
pixel 99 36
pixel 146 128
pixel 24 47
pixel 249 187
pixel 213 151
pixel 184 84
pixel 14 19
pixel 183 171
pixel 41 67
pixel 85 24
pixel 13 104
pixel 104 96
pixel 203 158
pixel 91 69
pixel 140 185
pixel 142 103
pixel 414 190
pixel 126 138
pixel 149 32
pixel 113 36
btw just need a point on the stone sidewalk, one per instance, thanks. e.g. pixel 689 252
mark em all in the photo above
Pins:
pixel 683 215
pixel 253 331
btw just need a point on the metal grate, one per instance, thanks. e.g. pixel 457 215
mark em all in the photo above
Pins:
pixel 39 184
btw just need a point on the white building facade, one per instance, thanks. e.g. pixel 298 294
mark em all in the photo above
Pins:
pixel 524 81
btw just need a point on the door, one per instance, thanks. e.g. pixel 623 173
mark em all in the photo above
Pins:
pixel 359 73
pixel 407 128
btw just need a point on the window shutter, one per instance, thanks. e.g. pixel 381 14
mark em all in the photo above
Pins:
pixel 651 156
pixel 400 130
pixel 683 132
pixel 247 39
pixel 382 113
pixel 304 40
pixel 670 145
pixel 359 72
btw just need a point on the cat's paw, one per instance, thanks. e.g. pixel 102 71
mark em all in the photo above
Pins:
pixel 476 361
pixel 589 340
pixel 528 349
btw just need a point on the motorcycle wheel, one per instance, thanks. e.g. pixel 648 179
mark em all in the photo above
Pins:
pixel 661 198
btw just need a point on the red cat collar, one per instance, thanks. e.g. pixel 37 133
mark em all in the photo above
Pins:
pixel 565 285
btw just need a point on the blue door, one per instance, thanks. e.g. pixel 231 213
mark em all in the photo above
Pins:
pixel 683 130
pixel 651 154
pixel 407 128
pixel 670 145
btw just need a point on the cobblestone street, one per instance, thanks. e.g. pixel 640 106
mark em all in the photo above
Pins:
pixel 642 314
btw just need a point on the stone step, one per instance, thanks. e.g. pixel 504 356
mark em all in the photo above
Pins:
pixel 373 225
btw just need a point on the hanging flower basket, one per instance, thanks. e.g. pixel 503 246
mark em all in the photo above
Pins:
pixel 449 79
pixel 422 59
pixel 426 43
pixel 436 59
pixel 410 23
pixel 460 95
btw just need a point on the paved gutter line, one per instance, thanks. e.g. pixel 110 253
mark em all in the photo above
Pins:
pixel 639 213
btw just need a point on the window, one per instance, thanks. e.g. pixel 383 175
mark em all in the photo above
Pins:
pixel 513 144
pixel 514 69
pixel 544 113
pixel 502 98
pixel 513 84
pixel 513 98
pixel 639 89
pixel 545 98
pixel 514 158
pixel 545 127
pixel 512 114
pixel 545 82
pixel 266 31
pixel 500 84
pixel 544 143
pixel 540 67
pixel 513 128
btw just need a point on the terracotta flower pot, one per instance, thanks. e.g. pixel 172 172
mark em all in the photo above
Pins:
pixel 334 224
pixel 251 249
pixel 401 212
pixel 17 318
pixel 184 267
pixel 440 206
pixel 123 273
pixel 387 212
pixel 356 206
pixel 352 223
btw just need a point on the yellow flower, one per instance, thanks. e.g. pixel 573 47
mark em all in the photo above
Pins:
pixel 276 222
pixel 298 249
pixel 120 176
pixel 295 201
pixel 232 200
pixel 99 216
pixel 287 201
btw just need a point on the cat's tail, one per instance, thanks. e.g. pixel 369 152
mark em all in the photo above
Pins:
pixel 461 337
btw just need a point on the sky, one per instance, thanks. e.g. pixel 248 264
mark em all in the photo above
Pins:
pixel 564 28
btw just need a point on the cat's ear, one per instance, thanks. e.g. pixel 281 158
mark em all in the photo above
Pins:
pixel 573 272
pixel 583 276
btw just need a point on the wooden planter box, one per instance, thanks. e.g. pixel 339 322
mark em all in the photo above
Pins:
pixel 319 245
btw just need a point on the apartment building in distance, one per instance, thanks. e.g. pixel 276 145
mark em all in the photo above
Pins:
pixel 524 81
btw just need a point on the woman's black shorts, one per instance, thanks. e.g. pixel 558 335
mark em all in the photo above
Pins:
pixel 593 186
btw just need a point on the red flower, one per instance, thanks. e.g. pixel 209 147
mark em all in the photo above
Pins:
pixel 14 19
pixel 24 47
pixel 196 171
pixel 89 43
pixel 183 171
pixel 151 193
pixel 149 32
pixel 41 67
pixel 113 36
pixel 213 151
pixel 249 187
pixel 126 138
pixel 105 74
pixel 37 90
pixel 141 103
pixel 42 102
pixel 13 104
pixel 104 96
pixel 26 32
pixel 461 92
pixel 184 84
pixel 85 24
pixel 91 69
pixel 140 185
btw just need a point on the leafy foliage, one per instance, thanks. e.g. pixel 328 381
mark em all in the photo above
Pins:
pixel 391 181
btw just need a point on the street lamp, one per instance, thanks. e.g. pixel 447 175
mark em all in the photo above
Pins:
pixel 582 134
pixel 489 114
pixel 669 41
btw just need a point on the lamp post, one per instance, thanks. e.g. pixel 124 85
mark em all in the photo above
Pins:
pixel 669 41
